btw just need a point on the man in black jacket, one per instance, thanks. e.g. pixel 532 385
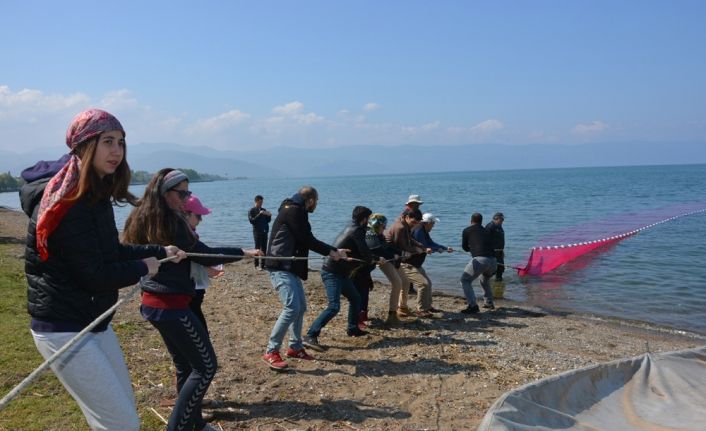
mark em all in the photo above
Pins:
pixel 259 218
pixel 291 237
pixel 476 240
pixel 497 238
pixel 337 278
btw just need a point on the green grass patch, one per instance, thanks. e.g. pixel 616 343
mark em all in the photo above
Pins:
pixel 44 405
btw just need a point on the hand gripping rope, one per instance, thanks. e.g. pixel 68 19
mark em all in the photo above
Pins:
pixel 47 363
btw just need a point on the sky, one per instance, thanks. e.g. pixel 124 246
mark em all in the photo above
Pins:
pixel 238 75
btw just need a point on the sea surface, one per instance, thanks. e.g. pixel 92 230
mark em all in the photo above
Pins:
pixel 657 276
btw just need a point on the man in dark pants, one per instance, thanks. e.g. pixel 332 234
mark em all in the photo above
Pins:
pixel 497 240
pixel 475 239
pixel 260 221
pixel 337 277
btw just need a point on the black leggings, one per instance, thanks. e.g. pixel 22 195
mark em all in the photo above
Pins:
pixel 195 306
pixel 195 361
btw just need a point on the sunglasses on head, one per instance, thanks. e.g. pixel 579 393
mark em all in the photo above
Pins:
pixel 183 194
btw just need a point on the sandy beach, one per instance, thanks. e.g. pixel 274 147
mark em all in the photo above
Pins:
pixel 436 374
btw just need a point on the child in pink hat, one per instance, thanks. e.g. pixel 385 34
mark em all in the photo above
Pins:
pixel 194 212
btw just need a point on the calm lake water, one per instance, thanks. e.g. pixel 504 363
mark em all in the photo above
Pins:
pixel 657 276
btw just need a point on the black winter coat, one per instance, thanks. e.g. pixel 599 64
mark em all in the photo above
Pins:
pixel 291 236
pixel 176 277
pixel 497 236
pixel 351 238
pixel 86 265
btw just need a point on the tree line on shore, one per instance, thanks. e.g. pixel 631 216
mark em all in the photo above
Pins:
pixel 10 183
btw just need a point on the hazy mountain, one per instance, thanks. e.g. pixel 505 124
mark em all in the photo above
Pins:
pixel 371 159
pixel 212 164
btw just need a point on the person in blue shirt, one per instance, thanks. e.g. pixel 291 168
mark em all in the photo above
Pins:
pixel 421 233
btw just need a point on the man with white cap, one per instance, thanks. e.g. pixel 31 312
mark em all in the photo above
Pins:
pixel 413 203
pixel 414 270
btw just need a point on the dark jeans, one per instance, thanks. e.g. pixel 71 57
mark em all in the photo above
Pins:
pixel 195 361
pixel 363 283
pixel 336 285
pixel 500 258
pixel 260 244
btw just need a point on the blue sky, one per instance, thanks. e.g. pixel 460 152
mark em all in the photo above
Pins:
pixel 244 75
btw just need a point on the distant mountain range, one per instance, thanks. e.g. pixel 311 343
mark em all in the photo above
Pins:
pixel 369 159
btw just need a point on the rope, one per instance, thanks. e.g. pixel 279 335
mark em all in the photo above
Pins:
pixel 233 256
pixel 39 370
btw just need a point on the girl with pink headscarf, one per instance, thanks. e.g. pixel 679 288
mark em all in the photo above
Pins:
pixel 75 265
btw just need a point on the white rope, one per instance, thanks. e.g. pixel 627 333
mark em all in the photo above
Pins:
pixel 234 256
pixel 46 364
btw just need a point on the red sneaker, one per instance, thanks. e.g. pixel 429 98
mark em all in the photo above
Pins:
pixel 299 354
pixel 274 360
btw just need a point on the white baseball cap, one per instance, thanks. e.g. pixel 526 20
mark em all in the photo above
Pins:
pixel 429 218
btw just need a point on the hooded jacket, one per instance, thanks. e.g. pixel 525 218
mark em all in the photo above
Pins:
pixel 175 278
pixel 351 238
pixel 86 266
pixel 291 236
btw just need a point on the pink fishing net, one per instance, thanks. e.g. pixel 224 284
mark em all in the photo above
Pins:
pixel 573 243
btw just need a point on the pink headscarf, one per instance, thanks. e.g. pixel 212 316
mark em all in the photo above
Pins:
pixel 52 209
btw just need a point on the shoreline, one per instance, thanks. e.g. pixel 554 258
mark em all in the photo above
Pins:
pixel 622 322
pixel 441 373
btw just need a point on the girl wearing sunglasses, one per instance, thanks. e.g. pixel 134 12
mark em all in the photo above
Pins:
pixel 159 218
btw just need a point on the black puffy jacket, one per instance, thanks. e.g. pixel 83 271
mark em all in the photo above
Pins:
pixel 291 236
pixel 176 277
pixel 351 238
pixel 86 265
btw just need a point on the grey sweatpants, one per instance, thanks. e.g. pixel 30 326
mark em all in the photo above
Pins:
pixel 483 267
pixel 94 372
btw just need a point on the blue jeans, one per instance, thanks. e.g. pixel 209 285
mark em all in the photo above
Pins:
pixel 335 286
pixel 483 267
pixel 291 295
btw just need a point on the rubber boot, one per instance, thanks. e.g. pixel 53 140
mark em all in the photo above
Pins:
pixel 362 317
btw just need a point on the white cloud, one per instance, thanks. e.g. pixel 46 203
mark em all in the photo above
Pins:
pixel 589 128
pixel 424 128
pixel 487 126
pixel 118 100
pixel 290 109
pixel 480 131
pixel 35 101
pixel 294 111
pixel 219 122
pixel 372 106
